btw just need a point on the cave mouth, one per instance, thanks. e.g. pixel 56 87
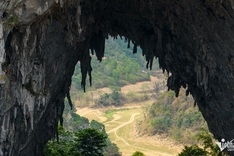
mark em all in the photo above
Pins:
pixel 188 38
pixel 184 48
pixel 100 96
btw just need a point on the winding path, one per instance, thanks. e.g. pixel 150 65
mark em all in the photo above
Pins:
pixel 124 124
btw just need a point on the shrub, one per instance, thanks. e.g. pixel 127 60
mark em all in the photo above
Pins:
pixel 138 153
pixel 193 150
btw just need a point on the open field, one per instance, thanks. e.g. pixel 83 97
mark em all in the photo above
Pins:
pixel 121 123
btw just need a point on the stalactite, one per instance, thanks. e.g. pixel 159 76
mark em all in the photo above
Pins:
pixel 60 110
pixel 151 63
pixel 92 51
pixel 135 48
pixel 85 68
pixel 187 92
pixel 125 39
pixel 90 75
pixel 177 91
pixel 98 45
pixel 195 102
pixel 174 83
pixel 149 49
pixel 129 41
pixel 69 99
pixel 147 65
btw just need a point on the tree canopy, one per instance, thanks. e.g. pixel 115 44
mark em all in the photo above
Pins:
pixel 86 142
pixel 90 142
pixel 138 153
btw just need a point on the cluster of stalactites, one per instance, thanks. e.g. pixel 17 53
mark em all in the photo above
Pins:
pixel 86 68
pixel 97 44
pixel 149 49
pixel 150 46
pixel 97 47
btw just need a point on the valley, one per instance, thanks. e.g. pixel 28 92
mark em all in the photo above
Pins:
pixel 121 123
pixel 133 103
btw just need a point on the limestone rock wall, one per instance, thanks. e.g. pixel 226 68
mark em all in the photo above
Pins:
pixel 38 59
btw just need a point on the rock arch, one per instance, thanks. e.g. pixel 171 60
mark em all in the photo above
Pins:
pixel 42 42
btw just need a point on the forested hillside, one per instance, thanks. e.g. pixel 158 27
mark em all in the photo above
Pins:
pixel 177 118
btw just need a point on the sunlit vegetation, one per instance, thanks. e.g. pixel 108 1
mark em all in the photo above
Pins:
pixel 62 147
pixel 121 125
pixel 86 142
pixel 114 98
pixel 175 117
pixel 138 153
pixel 80 137
pixel 207 148
pixel 90 142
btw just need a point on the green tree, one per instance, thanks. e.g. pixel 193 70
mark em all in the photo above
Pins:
pixel 193 150
pixel 111 149
pixel 138 153
pixel 98 126
pixel 208 143
pixel 62 147
pixel 90 142
pixel 86 142
pixel 116 95
pixel 209 147
pixel 111 99
pixel 104 99
pixel 186 122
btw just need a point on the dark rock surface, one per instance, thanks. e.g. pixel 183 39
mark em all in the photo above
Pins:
pixel 41 42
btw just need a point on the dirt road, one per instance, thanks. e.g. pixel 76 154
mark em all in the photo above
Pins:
pixel 121 130
pixel 124 124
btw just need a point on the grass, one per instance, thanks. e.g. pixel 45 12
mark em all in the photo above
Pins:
pixel 109 114
pixel 125 137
